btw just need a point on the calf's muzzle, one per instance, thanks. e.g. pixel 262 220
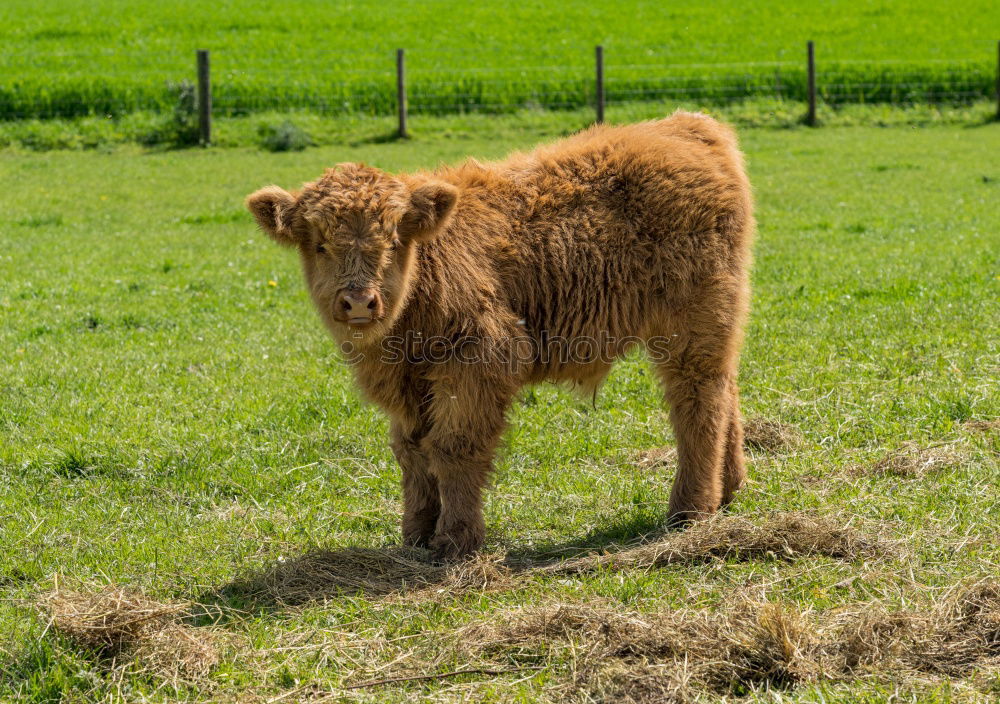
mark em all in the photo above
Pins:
pixel 358 306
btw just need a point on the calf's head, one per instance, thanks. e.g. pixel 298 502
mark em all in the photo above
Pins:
pixel 356 229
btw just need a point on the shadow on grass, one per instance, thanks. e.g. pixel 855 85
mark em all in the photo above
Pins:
pixel 984 121
pixel 624 531
pixel 384 138
pixel 637 541
pixel 321 574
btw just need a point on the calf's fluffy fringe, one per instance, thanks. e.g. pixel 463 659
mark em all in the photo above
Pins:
pixel 616 237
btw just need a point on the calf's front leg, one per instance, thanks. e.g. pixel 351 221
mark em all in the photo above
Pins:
pixel 469 416
pixel 460 529
pixel 421 499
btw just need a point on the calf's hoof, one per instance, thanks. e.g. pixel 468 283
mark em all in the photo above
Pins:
pixel 416 540
pixel 731 489
pixel 417 536
pixel 418 527
pixel 678 519
pixel 455 544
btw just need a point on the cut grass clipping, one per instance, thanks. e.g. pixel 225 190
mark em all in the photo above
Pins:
pixel 780 536
pixel 378 573
pixel 766 435
pixel 324 574
pixel 983 426
pixel 123 626
pixel 912 460
pixel 672 656
pixel 759 434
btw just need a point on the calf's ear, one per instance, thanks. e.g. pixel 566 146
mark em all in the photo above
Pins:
pixel 431 205
pixel 272 207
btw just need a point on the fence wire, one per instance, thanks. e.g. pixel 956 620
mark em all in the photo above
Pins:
pixel 652 73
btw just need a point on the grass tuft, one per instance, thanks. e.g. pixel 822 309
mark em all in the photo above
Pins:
pixel 72 464
pixel 51 220
pixel 284 137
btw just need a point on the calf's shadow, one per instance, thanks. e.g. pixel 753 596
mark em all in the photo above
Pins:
pixel 321 574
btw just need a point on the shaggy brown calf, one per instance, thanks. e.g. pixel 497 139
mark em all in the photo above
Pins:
pixel 451 290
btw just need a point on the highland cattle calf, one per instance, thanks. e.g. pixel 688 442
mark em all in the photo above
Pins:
pixel 450 290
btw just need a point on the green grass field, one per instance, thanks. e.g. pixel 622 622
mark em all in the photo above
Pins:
pixel 175 420
pixel 64 58
pixel 159 131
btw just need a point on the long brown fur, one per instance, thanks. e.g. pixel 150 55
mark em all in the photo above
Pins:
pixel 623 236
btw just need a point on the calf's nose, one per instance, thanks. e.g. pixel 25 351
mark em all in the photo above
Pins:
pixel 358 306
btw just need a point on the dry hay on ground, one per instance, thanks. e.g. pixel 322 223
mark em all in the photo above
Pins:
pixel 947 638
pixel 751 646
pixel 406 573
pixel 656 457
pixel 759 434
pixel 983 426
pixel 384 573
pixel 769 435
pixel 779 535
pixel 324 574
pixel 121 624
pixel 912 460
pixel 126 627
pixel 672 656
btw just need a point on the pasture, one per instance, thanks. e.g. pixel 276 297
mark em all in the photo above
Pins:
pixel 111 58
pixel 175 421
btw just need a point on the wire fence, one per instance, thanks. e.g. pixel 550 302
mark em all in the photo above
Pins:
pixel 639 74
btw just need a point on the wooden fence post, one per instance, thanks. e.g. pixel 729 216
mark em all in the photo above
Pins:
pixel 204 99
pixel 599 56
pixel 811 116
pixel 401 92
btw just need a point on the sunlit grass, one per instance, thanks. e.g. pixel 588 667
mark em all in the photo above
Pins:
pixel 109 57
pixel 172 421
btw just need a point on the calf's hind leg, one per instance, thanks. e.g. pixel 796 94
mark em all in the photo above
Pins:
pixel 734 472
pixel 700 389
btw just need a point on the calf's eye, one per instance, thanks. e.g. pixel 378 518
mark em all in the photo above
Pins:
pixel 320 248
